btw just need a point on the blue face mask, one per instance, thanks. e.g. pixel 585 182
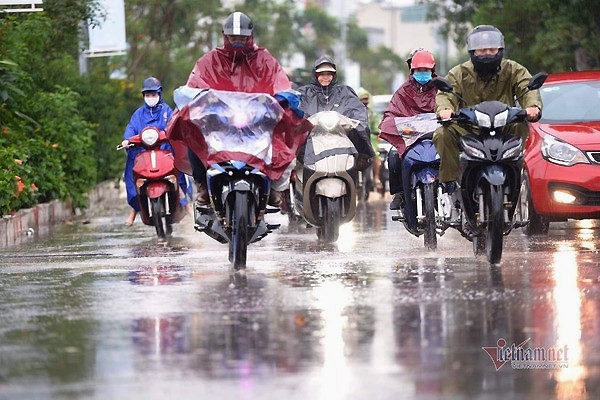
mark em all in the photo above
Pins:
pixel 422 77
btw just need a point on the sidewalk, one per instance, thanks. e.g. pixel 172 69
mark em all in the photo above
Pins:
pixel 38 220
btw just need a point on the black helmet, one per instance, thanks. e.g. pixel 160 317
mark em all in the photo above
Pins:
pixel 238 24
pixel 486 37
pixel 151 84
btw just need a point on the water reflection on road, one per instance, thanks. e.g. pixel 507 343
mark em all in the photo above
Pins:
pixel 100 311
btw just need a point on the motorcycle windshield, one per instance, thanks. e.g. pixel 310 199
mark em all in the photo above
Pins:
pixel 416 127
pixel 236 122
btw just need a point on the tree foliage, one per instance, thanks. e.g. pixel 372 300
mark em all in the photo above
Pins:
pixel 550 35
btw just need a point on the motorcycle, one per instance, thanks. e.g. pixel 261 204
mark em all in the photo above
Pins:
pixel 490 170
pixel 155 178
pixel 233 134
pixel 324 188
pixel 384 172
pixel 424 208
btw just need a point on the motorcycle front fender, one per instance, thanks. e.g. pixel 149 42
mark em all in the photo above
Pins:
pixel 156 189
pixel 330 187
pixel 494 174
pixel 426 175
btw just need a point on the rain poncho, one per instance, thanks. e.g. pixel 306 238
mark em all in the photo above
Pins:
pixel 340 98
pixel 251 69
pixel 410 99
pixel 374 117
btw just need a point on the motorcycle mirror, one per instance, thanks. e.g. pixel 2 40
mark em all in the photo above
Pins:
pixel 442 84
pixel 537 81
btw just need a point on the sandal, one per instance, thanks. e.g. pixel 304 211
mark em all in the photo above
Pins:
pixel 379 186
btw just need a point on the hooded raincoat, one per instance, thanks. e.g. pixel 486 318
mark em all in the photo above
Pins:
pixel 250 69
pixel 340 98
pixel 143 117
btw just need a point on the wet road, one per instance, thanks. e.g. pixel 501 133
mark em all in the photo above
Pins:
pixel 100 311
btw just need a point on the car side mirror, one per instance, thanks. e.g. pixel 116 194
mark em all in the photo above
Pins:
pixel 442 84
pixel 537 81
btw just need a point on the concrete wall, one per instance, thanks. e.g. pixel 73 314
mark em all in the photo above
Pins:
pixel 38 220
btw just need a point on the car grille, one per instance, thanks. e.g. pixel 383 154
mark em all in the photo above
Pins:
pixel 594 156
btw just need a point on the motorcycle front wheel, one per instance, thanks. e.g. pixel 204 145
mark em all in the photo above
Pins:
pixel 429 225
pixel 238 245
pixel 157 218
pixel 329 232
pixel 494 210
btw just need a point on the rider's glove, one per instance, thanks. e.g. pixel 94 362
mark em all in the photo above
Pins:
pixel 290 99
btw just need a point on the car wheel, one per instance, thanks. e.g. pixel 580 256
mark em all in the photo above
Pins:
pixel 538 224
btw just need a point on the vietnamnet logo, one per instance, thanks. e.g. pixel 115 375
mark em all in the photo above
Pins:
pixel 521 357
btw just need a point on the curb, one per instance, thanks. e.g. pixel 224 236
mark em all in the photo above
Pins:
pixel 37 221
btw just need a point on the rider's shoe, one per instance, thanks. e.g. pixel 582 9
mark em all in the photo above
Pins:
pixel 275 199
pixel 397 201
pixel 449 187
pixel 202 200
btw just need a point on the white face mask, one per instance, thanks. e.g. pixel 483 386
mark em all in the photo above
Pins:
pixel 152 101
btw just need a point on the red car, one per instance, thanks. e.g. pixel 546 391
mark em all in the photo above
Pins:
pixel 562 156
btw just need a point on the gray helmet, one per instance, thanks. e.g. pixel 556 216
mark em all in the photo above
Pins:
pixel 485 37
pixel 238 24
pixel 151 84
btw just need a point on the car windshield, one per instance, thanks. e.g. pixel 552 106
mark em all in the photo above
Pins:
pixel 571 102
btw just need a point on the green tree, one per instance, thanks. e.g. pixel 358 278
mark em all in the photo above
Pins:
pixel 551 35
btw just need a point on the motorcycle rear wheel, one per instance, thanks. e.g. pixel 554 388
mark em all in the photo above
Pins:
pixel 494 210
pixel 157 217
pixel 429 225
pixel 238 246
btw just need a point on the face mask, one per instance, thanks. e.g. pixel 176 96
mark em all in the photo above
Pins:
pixel 152 101
pixel 422 77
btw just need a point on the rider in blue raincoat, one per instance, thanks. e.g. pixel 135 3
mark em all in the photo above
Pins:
pixel 154 112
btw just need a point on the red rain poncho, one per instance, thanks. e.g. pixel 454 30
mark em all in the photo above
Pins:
pixel 410 99
pixel 251 69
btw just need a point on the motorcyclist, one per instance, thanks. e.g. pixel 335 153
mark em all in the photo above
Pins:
pixel 486 76
pixel 415 96
pixel 240 66
pixel 154 112
pixel 374 119
pixel 325 94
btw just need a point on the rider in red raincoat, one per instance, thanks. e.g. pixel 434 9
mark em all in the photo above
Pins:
pixel 415 96
pixel 241 66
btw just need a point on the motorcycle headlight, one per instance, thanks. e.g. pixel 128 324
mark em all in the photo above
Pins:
pixel 483 119
pixel 150 136
pixel 500 119
pixel 562 153
pixel 473 152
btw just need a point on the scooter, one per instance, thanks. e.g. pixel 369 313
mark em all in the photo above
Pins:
pixel 490 170
pixel 425 209
pixel 155 178
pixel 324 188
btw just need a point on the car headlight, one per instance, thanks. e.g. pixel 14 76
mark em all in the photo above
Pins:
pixel 473 152
pixel 562 153
pixel 149 136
